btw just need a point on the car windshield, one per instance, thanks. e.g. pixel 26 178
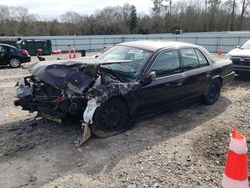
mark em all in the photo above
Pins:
pixel 129 70
pixel 246 45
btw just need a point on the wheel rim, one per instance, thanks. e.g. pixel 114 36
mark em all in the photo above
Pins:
pixel 112 119
pixel 14 62
pixel 213 92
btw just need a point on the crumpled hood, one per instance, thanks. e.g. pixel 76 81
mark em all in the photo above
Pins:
pixel 240 52
pixel 59 73
pixel 79 71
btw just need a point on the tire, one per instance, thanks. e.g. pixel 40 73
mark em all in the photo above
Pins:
pixel 14 62
pixel 110 118
pixel 213 92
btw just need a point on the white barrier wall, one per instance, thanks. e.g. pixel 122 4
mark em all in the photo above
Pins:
pixel 210 40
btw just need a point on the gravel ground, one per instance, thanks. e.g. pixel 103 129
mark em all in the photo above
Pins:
pixel 184 147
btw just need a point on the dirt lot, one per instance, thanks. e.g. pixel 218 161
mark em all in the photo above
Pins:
pixel 185 147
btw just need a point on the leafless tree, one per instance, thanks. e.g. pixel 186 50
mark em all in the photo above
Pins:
pixel 244 6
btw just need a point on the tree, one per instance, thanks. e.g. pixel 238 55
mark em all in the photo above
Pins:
pixel 213 9
pixel 162 7
pixel 157 9
pixel 132 20
pixel 166 16
pixel 71 19
pixel 4 13
pixel 55 28
pixel 245 4
pixel 233 12
pixel 126 12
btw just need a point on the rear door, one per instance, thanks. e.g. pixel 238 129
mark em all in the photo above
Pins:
pixel 196 70
pixel 167 88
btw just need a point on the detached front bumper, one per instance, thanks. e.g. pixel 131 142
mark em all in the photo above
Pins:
pixel 24 102
pixel 24 95
pixel 37 96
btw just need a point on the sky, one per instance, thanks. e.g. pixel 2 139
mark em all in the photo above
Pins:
pixel 54 8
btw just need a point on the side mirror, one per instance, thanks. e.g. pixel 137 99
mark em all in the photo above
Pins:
pixel 149 78
pixel 152 75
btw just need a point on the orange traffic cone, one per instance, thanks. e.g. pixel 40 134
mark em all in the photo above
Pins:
pixel 236 170
pixel 74 53
pixel 69 54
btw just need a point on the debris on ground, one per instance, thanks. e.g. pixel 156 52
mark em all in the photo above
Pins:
pixel 185 147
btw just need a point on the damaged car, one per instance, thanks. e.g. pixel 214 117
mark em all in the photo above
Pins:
pixel 130 80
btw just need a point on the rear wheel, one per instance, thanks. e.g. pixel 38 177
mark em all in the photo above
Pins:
pixel 213 92
pixel 14 62
pixel 110 118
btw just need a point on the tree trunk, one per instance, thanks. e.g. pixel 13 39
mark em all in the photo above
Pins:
pixel 232 18
pixel 243 9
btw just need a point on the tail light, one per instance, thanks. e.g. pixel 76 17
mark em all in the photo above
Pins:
pixel 25 52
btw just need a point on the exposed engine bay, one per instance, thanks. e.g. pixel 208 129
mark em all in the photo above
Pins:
pixel 72 88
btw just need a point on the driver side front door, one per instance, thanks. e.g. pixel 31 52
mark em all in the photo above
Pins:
pixel 167 88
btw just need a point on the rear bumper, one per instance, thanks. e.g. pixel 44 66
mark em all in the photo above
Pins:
pixel 228 79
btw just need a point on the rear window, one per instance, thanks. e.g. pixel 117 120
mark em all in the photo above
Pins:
pixel 189 58
pixel 202 59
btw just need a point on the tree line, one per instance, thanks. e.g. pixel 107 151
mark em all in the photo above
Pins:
pixel 166 16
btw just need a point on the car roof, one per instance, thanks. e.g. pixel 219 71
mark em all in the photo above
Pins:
pixel 156 45
pixel 7 45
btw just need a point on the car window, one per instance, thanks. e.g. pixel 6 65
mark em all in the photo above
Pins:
pixel 202 59
pixel 166 64
pixel 189 57
pixel 138 58
pixel 246 45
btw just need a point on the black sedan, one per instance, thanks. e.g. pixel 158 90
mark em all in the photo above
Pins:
pixel 241 58
pixel 130 80
pixel 12 56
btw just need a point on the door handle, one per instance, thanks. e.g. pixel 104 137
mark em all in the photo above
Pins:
pixel 173 84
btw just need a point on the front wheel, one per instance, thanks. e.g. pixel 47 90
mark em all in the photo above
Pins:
pixel 213 92
pixel 110 118
pixel 14 62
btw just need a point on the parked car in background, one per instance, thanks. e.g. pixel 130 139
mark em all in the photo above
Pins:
pixel 241 58
pixel 130 80
pixel 12 56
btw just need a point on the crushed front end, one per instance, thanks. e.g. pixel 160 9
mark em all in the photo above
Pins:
pixel 61 89
pixel 35 95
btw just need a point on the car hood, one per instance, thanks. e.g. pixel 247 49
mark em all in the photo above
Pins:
pixel 59 73
pixel 239 52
